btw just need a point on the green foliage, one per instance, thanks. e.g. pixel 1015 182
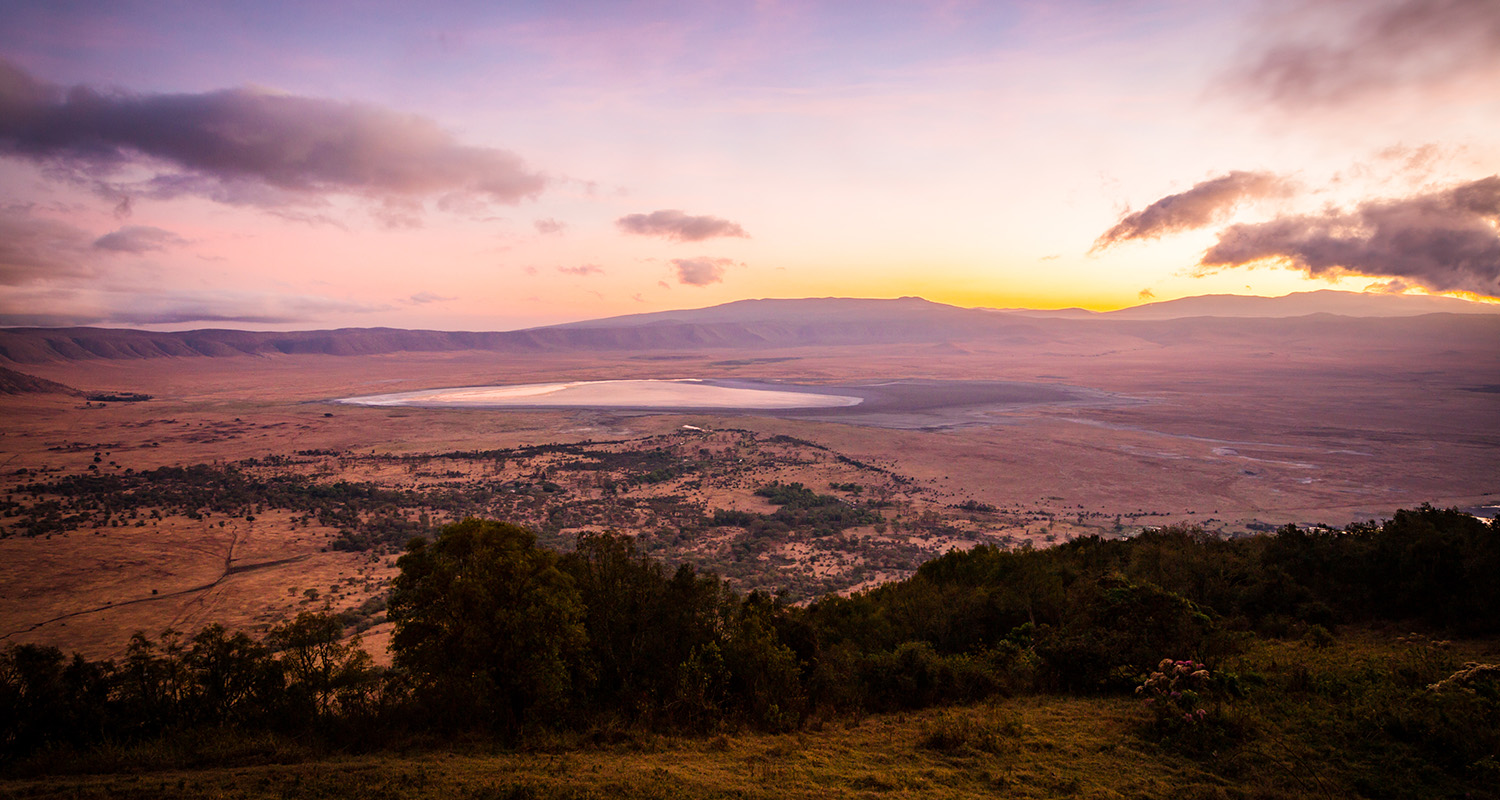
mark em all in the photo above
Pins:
pixel 326 673
pixel 805 510
pixel 1119 628
pixel 765 679
pixel 215 679
pixel 701 695
pixel 1427 563
pixel 237 680
pixel 1187 704
pixel 495 631
pixel 488 628
pixel 46 700
pixel 916 676
pixel 368 515
pixel 1463 712
pixel 643 628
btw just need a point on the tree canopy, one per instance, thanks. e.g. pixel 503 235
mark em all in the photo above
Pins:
pixel 487 627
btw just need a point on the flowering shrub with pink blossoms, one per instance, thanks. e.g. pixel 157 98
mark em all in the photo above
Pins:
pixel 1186 701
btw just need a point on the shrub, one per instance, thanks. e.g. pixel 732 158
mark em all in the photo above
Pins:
pixel 1187 704
pixel 1460 723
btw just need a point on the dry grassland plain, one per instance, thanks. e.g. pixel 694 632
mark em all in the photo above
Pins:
pixel 1232 438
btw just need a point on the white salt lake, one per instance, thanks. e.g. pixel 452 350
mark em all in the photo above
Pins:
pixel 683 393
pixel 900 403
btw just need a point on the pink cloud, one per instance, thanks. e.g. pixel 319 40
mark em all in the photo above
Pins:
pixel 1205 203
pixel 676 225
pixel 1448 240
pixel 1357 50
pixel 701 271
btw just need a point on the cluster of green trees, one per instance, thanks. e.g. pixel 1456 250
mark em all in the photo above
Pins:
pixel 75 501
pixel 494 632
pixel 801 510
pixel 303 676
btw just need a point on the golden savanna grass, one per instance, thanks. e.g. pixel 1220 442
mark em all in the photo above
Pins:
pixel 1020 748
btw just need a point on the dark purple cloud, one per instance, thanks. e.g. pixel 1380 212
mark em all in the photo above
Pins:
pixel 1337 51
pixel 674 224
pixel 1446 240
pixel 248 146
pixel 137 239
pixel 1207 202
pixel 701 271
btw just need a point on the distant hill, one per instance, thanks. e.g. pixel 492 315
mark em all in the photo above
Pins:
pixel 1049 313
pixel 810 322
pixel 12 382
pixel 41 345
pixel 907 310
pixel 800 311
pixel 746 324
pixel 1298 304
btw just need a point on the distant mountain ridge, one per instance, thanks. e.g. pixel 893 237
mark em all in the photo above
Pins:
pixel 748 324
pixel 1297 304
pixel 801 309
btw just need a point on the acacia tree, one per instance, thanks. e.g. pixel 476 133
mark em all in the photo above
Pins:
pixel 235 678
pixel 325 672
pixel 154 683
pixel 488 629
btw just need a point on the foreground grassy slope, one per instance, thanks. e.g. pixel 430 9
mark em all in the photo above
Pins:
pixel 1030 748
pixel 1346 718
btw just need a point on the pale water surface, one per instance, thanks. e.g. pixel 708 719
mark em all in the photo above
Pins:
pixel 679 393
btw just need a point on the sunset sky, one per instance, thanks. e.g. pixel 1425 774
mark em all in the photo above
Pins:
pixel 500 165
